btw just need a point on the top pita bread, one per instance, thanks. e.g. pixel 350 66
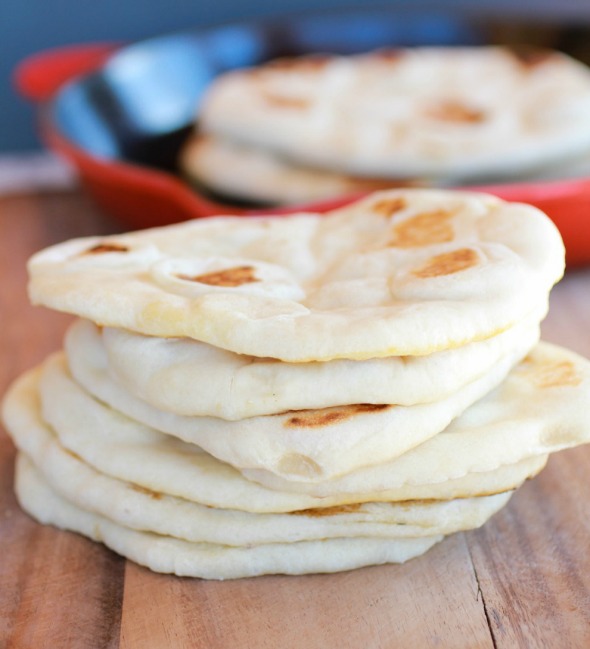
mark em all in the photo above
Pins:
pixel 402 272
pixel 461 113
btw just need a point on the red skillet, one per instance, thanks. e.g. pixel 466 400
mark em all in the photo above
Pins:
pixel 145 196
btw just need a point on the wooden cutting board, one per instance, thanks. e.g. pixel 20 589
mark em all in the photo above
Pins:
pixel 523 580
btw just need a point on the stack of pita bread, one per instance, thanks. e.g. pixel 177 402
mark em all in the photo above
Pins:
pixel 296 394
pixel 318 127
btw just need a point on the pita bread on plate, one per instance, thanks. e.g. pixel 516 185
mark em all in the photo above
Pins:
pixel 405 272
pixel 460 114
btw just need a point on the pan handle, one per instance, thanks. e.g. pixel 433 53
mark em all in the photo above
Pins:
pixel 39 76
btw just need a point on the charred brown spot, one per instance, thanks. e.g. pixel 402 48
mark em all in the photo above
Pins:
pixel 530 57
pixel 231 277
pixel 376 184
pixel 389 206
pixel 284 101
pixel 388 55
pixel 318 512
pixel 423 229
pixel 448 263
pixel 303 64
pixel 554 375
pixel 329 416
pixel 99 248
pixel 146 492
pixel 420 502
pixel 454 111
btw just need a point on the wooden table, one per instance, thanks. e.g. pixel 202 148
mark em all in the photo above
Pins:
pixel 523 580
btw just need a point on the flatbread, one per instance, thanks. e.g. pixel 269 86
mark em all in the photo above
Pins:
pixel 124 449
pixel 138 508
pixel 191 378
pixel 206 560
pixel 308 445
pixel 530 413
pixel 540 408
pixel 248 174
pixel 461 113
pixel 406 272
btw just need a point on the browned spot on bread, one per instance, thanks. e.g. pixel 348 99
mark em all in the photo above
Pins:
pixel 389 206
pixel 230 277
pixel 376 184
pixel 146 492
pixel 105 247
pixel 418 502
pixel 423 229
pixel 300 64
pixel 455 111
pixel 530 57
pixel 555 375
pixel 448 263
pixel 318 512
pixel 284 101
pixel 388 55
pixel 329 416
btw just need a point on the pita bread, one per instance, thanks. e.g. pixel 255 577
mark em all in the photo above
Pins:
pixel 461 114
pixel 249 174
pixel 406 272
pixel 524 416
pixel 191 378
pixel 138 508
pixel 126 450
pixel 540 408
pixel 207 560
pixel 308 445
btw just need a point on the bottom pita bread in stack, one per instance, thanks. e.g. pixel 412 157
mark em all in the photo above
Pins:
pixel 220 462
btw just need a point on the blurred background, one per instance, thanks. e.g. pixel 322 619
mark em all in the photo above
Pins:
pixel 30 26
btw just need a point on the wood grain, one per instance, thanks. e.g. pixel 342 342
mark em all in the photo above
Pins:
pixel 56 589
pixel 531 560
pixel 433 601
pixel 523 580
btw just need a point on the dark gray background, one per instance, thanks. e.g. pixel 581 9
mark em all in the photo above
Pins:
pixel 29 26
